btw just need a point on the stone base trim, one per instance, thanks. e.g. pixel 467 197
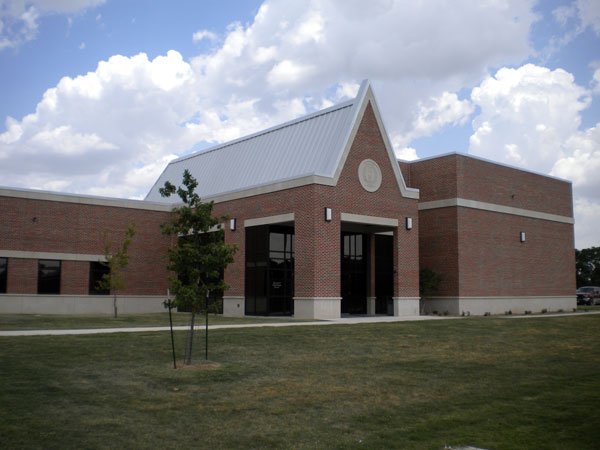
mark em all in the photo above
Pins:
pixel 80 304
pixel 323 308
pixel 406 306
pixel 371 305
pixel 479 306
pixel 234 306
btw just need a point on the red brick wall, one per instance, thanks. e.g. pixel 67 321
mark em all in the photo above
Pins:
pixel 63 227
pixel 493 261
pixel 22 276
pixel 495 183
pixel 438 247
pixel 478 253
pixel 435 178
pixel 74 277
pixel 320 276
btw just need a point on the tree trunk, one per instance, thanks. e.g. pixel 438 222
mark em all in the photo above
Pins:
pixel 189 342
pixel 115 305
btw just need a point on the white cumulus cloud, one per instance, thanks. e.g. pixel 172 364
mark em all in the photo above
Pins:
pixel 526 116
pixel 204 35
pixel 531 117
pixel 432 115
pixel 91 132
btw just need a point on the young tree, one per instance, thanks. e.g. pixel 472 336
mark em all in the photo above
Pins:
pixel 200 255
pixel 116 262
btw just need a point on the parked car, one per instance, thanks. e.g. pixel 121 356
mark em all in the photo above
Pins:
pixel 588 295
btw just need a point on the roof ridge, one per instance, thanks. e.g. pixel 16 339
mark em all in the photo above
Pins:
pixel 306 117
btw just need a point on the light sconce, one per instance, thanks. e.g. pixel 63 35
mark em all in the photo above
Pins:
pixel 328 215
pixel 232 224
pixel 408 223
pixel 522 236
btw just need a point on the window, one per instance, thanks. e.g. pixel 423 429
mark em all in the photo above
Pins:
pixel 355 269
pixel 270 270
pixel 48 276
pixel 3 274
pixel 97 271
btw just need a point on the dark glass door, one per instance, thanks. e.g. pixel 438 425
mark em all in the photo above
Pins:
pixel 270 270
pixel 354 267
pixel 384 274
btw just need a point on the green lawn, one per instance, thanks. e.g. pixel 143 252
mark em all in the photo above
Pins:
pixel 492 383
pixel 52 322
pixel 588 308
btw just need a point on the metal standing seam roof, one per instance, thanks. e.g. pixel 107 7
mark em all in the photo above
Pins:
pixel 310 145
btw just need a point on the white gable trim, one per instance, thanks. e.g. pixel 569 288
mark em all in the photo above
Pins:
pixel 363 98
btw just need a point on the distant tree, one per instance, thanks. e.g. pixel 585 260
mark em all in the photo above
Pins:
pixel 587 266
pixel 116 262
pixel 200 255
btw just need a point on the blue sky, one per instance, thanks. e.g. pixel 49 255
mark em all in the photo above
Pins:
pixel 96 96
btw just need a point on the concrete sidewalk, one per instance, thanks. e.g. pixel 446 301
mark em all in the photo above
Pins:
pixel 342 321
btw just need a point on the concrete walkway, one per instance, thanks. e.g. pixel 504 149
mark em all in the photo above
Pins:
pixel 342 321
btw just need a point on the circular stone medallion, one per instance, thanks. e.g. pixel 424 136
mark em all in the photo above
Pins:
pixel 369 175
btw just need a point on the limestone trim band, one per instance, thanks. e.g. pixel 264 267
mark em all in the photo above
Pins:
pixel 51 255
pixel 84 199
pixel 280 218
pixel 369 220
pixel 493 207
pixel 480 306
pixel 79 304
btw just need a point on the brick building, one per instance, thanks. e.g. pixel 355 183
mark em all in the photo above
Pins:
pixel 326 221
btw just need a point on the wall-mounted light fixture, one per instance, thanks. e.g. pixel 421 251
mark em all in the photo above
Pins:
pixel 328 215
pixel 232 224
pixel 522 236
pixel 408 223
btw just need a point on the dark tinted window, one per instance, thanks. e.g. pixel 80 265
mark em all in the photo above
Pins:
pixel 270 270
pixel 3 274
pixel 48 276
pixel 97 271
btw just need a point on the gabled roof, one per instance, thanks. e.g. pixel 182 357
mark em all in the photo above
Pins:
pixel 311 149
